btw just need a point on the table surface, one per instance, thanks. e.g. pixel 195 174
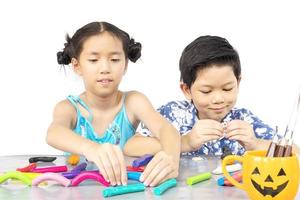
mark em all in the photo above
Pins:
pixel 93 190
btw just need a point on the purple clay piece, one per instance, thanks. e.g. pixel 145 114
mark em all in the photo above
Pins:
pixel 79 167
pixel 69 175
pixel 75 171
pixel 142 161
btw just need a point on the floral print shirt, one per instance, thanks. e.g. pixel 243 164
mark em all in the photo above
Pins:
pixel 183 116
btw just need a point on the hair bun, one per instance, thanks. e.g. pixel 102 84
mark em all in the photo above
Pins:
pixel 134 51
pixel 63 58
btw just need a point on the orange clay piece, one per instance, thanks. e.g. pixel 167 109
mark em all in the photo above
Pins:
pixel 73 159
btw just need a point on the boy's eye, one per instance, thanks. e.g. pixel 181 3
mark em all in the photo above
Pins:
pixel 92 60
pixel 227 89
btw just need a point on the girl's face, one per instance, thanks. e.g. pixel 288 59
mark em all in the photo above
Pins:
pixel 214 92
pixel 101 64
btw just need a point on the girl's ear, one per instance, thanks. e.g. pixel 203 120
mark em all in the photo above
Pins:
pixel 76 66
pixel 186 91
pixel 126 66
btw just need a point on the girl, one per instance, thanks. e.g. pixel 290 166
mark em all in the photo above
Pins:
pixel 98 122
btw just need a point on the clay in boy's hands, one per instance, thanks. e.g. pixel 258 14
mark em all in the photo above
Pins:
pixel 110 161
pixel 205 131
pixel 159 169
pixel 243 132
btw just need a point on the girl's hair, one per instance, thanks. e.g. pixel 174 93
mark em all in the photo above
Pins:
pixel 73 46
pixel 204 52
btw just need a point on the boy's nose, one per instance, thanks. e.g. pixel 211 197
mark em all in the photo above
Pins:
pixel 218 99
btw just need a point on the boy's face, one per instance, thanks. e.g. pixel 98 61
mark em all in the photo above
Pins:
pixel 214 92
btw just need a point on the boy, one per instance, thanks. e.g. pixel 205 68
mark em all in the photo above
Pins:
pixel 210 77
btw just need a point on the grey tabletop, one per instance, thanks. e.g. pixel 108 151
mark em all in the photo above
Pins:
pixel 93 190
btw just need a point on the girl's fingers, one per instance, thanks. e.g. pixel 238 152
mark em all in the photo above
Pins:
pixel 155 172
pixel 122 163
pixel 115 166
pixel 162 175
pixel 156 159
pixel 101 168
pixel 108 167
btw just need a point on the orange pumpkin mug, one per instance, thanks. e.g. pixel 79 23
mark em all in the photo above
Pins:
pixel 266 177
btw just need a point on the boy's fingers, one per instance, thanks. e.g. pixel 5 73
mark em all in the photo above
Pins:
pixel 122 163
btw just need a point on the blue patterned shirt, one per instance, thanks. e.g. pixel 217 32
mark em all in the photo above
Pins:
pixel 183 116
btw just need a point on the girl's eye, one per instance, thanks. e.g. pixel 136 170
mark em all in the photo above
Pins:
pixel 205 92
pixel 115 60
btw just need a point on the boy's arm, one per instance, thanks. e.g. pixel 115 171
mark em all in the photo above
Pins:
pixel 140 145
pixel 185 143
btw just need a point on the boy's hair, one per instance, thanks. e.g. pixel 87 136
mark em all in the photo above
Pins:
pixel 73 46
pixel 205 52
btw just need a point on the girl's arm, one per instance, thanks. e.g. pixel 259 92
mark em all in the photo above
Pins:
pixel 158 169
pixel 107 157
pixel 135 146
pixel 60 134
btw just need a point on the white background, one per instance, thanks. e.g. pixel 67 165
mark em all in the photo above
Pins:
pixel 265 33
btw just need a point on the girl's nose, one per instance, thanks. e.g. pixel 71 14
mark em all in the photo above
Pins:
pixel 104 67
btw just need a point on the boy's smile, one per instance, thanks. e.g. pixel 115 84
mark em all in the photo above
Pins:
pixel 214 92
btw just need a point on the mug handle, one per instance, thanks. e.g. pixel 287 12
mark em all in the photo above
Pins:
pixel 229 159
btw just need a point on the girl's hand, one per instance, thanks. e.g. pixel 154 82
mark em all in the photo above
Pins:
pixel 110 161
pixel 204 131
pixel 243 132
pixel 161 168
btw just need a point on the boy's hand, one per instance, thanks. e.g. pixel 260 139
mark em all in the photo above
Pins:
pixel 243 132
pixel 110 161
pixel 161 168
pixel 204 131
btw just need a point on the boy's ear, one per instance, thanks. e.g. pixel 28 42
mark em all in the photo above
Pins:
pixel 238 81
pixel 76 66
pixel 186 91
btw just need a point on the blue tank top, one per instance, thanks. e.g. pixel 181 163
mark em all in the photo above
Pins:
pixel 118 132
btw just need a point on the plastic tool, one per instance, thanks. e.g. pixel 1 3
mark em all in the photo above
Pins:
pixel 225 182
pixel 229 168
pixel 134 175
pixel 15 175
pixel 51 176
pixel 112 191
pixel 142 161
pixel 62 168
pixel 41 159
pixel 89 175
pixel 28 168
pixel 165 186
pixel 198 178
pixel 75 171
pixel 135 169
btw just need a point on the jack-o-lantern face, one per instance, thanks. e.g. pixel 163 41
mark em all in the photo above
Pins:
pixel 266 185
